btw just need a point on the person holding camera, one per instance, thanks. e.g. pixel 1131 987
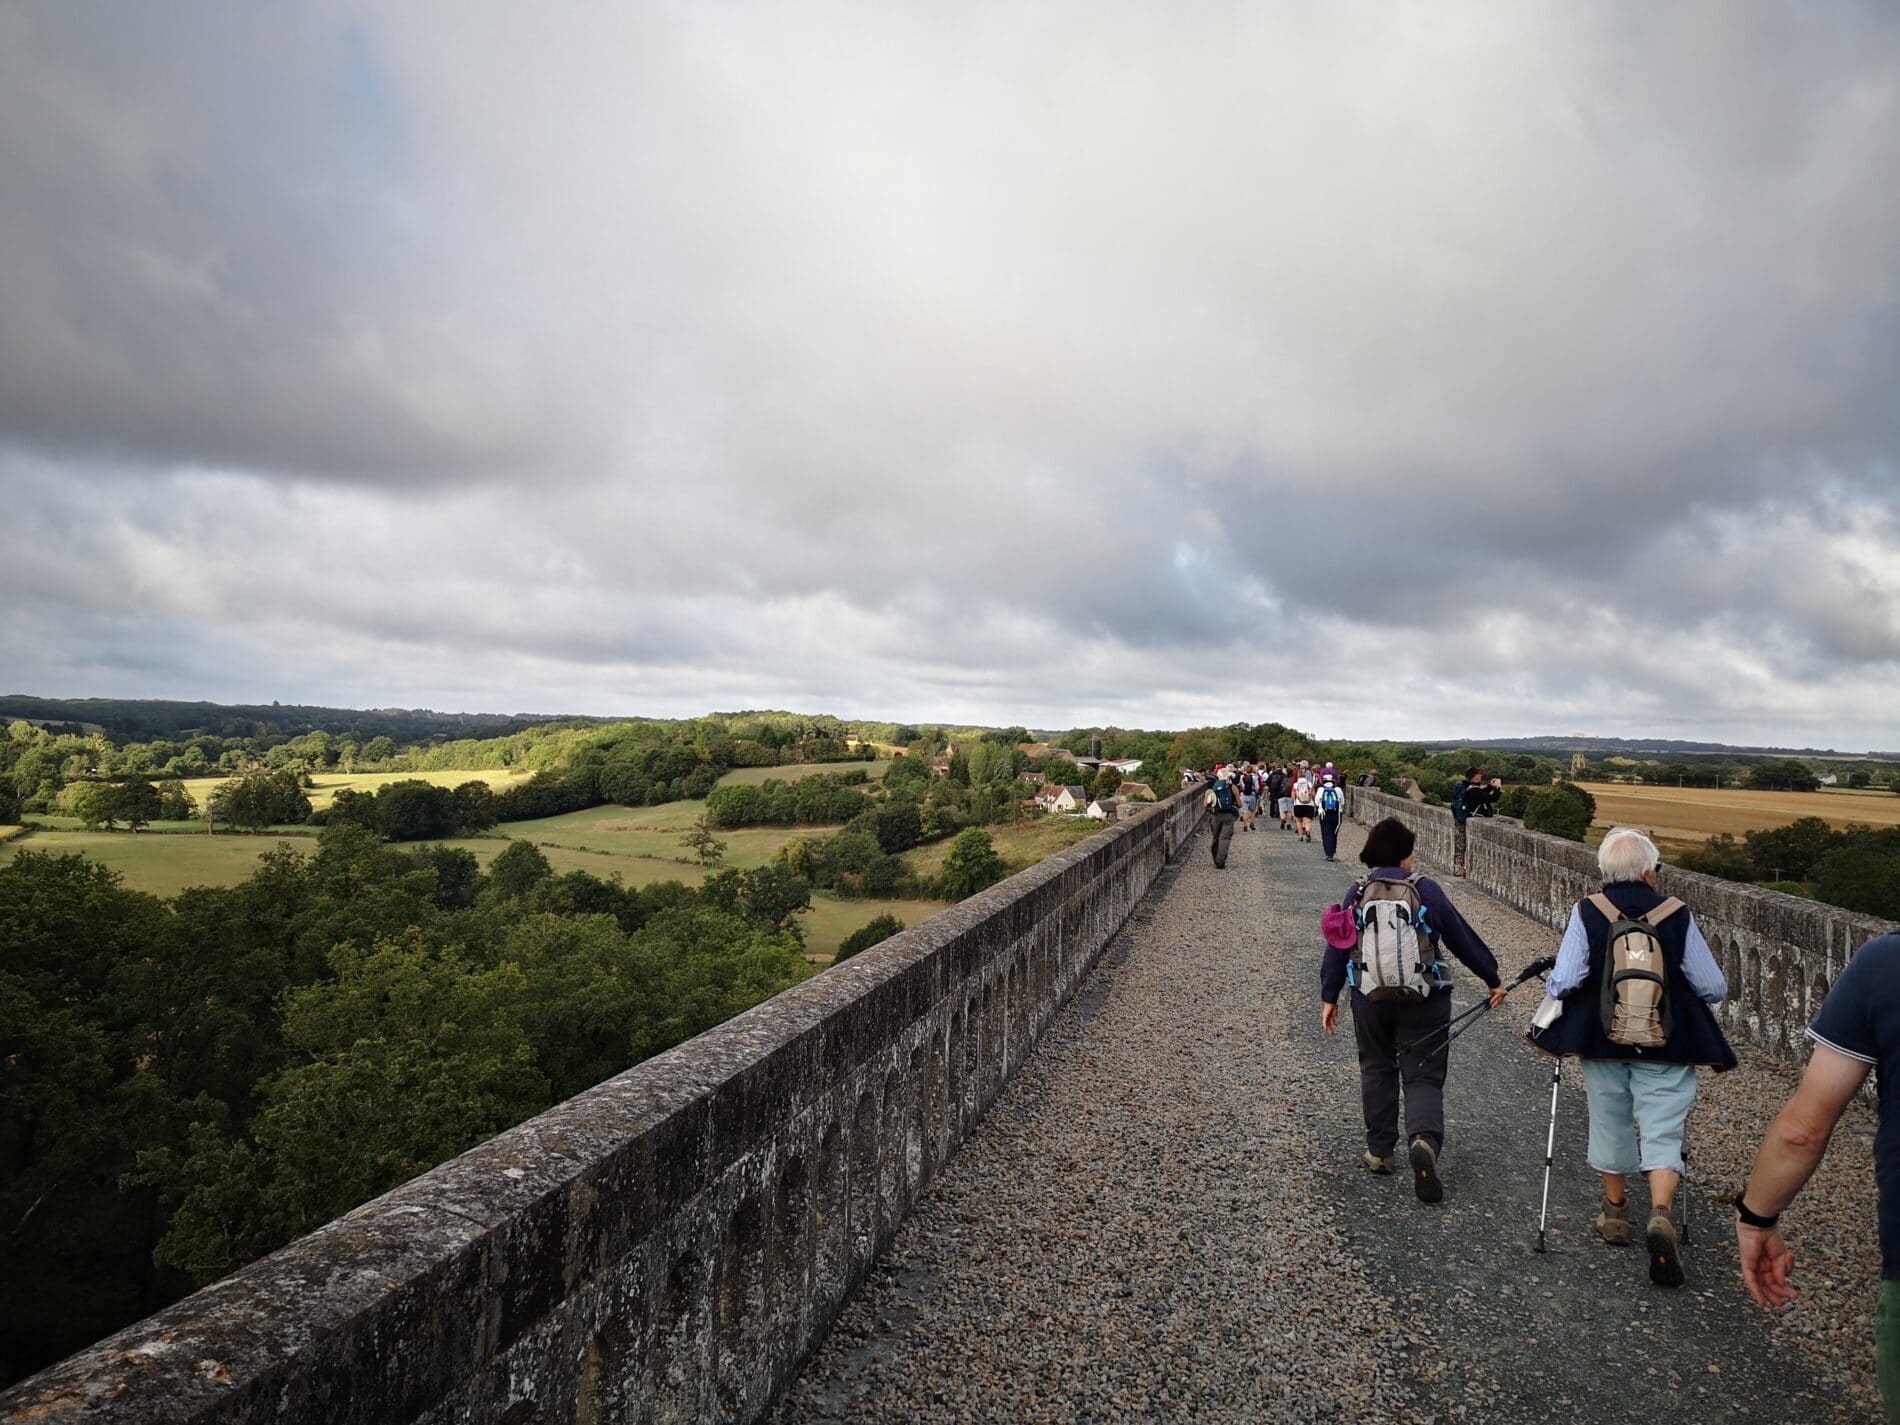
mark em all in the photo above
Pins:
pixel 1475 796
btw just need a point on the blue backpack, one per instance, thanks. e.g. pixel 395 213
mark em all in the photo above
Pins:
pixel 1225 802
pixel 1329 799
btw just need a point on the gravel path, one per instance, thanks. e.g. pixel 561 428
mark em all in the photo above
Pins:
pixel 1164 1217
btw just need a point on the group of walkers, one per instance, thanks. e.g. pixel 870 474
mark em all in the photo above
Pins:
pixel 1298 793
pixel 1631 995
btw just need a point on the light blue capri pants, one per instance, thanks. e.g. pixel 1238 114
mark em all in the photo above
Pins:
pixel 1625 1097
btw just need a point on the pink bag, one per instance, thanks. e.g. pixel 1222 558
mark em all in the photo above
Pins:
pixel 1339 927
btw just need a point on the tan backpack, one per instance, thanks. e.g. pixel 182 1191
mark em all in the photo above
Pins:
pixel 1635 1005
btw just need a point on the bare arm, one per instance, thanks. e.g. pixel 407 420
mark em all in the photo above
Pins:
pixel 1793 1147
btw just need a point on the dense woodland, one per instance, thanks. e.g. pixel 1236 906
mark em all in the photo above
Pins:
pixel 190 1083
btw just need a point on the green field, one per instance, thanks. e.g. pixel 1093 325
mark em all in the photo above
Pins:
pixel 639 845
pixel 757 775
pixel 831 919
pixel 163 865
pixel 328 784
pixel 1020 844
pixel 653 833
pixel 7 833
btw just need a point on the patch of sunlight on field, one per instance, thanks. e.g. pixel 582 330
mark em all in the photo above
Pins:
pixel 633 870
pixel 328 784
pixel 830 919
pixel 759 775
pixel 652 833
pixel 7 833
pixel 1688 815
pixel 1021 844
pixel 163 865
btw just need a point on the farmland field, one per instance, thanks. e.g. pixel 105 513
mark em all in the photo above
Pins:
pixel 652 833
pixel 163 865
pixel 328 784
pixel 1020 844
pixel 640 845
pixel 757 775
pixel 1680 816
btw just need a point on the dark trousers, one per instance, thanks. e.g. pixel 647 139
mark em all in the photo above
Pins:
pixel 1329 831
pixel 1386 1031
pixel 1223 834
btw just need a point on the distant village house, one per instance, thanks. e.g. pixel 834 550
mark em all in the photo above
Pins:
pixel 1055 797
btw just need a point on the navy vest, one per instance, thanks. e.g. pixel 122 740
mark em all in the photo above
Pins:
pixel 1694 1036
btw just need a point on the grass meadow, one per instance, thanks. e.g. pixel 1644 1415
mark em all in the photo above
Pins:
pixel 640 845
pixel 755 776
pixel 1021 844
pixel 328 784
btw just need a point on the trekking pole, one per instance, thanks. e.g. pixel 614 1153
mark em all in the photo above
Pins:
pixel 1550 1150
pixel 1457 1025
pixel 1682 1189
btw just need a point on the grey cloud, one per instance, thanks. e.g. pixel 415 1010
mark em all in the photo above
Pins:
pixel 211 251
pixel 1022 365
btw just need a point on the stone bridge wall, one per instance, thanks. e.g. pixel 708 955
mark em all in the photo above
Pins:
pixel 669 1245
pixel 1779 952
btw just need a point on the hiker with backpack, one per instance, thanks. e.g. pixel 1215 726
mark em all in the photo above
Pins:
pixel 1332 803
pixel 1223 804
pixel 1249 795
pixel 1384 941
pixel 1305 793
pixel 1279 788
pixel 1636 981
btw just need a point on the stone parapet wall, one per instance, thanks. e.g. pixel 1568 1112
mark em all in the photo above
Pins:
pixel 1779 952
pixel 669 1245
pixel 1437 844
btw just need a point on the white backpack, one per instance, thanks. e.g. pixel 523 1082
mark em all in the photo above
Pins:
pixel 1397 955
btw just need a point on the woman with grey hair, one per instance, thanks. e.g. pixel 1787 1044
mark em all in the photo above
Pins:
pixel 1637 980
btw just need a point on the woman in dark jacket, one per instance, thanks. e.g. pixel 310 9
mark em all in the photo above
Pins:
pixel 1636 1088
pixel 1389 1031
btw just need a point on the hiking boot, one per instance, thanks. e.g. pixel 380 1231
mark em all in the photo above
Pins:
pixel 1379 1167
pixel 1613 1223
pixel 1425 1172
pixel 1665 1258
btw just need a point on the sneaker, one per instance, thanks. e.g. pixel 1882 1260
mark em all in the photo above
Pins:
pixel 1425 1172
pixel 1665 1258
pixel 1380 1167
pixel 1613 1223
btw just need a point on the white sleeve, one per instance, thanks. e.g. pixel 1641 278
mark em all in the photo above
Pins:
pixel 1573 958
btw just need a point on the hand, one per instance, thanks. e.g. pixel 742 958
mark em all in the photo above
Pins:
pixel 1329 1018
pixel 1498 996
pixel 1766 1261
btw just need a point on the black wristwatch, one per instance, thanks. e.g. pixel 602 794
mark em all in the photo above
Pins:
pixel 1753 1219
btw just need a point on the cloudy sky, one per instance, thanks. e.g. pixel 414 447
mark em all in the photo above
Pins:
pixel 1413 370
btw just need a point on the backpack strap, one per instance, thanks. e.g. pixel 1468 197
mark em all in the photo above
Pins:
pixel 1606 906
pixel 1658 914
